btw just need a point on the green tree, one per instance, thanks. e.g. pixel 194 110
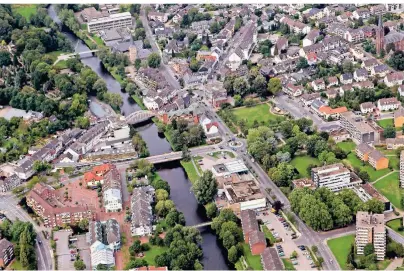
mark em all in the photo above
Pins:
pixel 211 210
pixel 163 207
pixel 79 265
pixel 205 188
pixel 40 166
pixel 369 249
pixel 5 58
pixel 274 85
pixel 153 60
pixel 82 122
pixel 83 224
pixel 161 194
pixel 240 86
pixel 232 254
pixel 389 132
pixel 194 64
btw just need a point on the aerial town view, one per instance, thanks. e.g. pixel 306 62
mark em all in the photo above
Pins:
pixel 202 136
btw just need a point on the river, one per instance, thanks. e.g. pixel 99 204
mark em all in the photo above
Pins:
pixel 173 173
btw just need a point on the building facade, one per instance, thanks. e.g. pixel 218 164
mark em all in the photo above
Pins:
pixel 119 20
pixel 370 229
pixel 335 177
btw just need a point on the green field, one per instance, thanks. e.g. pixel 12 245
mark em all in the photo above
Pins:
pixel 347 146
pixel 385 123
pixel 151 254
pixel 190 170
pixel 98 40
pixel 340 247
pixel 302 162
pixel 61 65
pixel 395 225
pixel 394 161
pixel 253 261
pixel 373 174
pixel 259 113
pixel 288 264
pixel 268 234
pixel 25 10
pixel 389 187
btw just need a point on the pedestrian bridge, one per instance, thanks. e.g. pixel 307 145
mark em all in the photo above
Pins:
pixel 81 54
pixel 201 225
pixel 139 116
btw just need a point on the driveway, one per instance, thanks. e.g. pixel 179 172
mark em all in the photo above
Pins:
pixel 63 250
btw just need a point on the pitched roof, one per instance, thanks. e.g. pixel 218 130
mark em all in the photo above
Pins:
pixel 364 148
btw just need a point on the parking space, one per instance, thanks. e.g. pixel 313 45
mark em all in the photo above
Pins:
pixel 285 248
pixel 68 246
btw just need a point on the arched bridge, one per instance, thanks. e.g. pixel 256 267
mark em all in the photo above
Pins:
pixel 139 116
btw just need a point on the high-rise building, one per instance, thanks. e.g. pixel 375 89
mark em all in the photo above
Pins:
pixel 379 36
pixel 370 229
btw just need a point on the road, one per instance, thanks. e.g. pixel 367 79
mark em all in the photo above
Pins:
pixel 8 205
pixel 395 236
pixel 164 69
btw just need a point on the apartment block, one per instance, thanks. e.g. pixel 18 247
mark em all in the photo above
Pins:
pixel 375 158
pixel 370 229
pixel 402 169
pixel 335 177
pixel 361 132
pixel 113 21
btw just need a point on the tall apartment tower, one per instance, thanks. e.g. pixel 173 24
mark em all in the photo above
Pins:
pixel 379 36
pixel 370 229
pixel 402 169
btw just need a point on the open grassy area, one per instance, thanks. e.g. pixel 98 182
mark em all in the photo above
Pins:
pixel 268 234
pixel 253 261
pixel 288 264
pixel 389 187
pixel 190 170
pixel 394 161
pixel 395 225
pixel 25 10
pixel 98 40
pixel 258 113
pixel 340 247
pixel 151 254
pixel 54 55
pixel 385 123
pixel 302 162
pixel 139 101
pixel 16 265
pixel 373 173
pixel 384 264
pixel 347 146
pixel 61 65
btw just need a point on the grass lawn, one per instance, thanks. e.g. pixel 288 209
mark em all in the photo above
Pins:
pixel 388 186
pixel 383 264
pixel 302 162
pixel 395 225
pixel 151 254
pixel 98 40
pixel 373 174
pixel 347 146
pixel 61 65
pixel 54 55
pixel 259 113
pixel 340 247
pixel 139 101
pixel 253 261
pixel 385 151
pixel 190 170
pixel 83 26
pixel 16 265
pixel 394 161
pixel 385 123
pixel 268 234
pixel 25 10
pixel 116 76
pixel 288 264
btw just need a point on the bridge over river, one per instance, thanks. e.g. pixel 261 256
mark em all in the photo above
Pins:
pixel 81 54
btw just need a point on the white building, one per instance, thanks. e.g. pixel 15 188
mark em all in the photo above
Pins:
pixel 112 200
pixel 101 254
pixel 119 20
pixel 370 229
pixel 142 215
pixel 386 104
pixel 335 177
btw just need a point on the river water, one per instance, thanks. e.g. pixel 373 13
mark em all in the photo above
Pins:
pixel 173 173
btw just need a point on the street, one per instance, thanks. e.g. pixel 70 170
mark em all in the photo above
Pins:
pixel 8 204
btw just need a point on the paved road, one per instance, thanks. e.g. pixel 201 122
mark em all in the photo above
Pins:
pixel 395 236
pixel 164 69
pixel 8 204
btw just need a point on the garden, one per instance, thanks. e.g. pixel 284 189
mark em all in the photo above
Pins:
pixel 302 163
pixel 259 114
pixel 341 247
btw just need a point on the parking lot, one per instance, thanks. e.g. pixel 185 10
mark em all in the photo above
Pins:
pixel 287 246
pixel 67 253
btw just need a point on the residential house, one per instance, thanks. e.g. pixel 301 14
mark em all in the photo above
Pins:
pixel 308 99
pixel 380 70
pixel 399 117
pixel 328 112
pixel 395 143
pixel 295 26
pixel 386 104
pixel 318 84
pixel 293 90
pixel 112 195
pixel 106 232
pixel 401 90
pixel 362 13
pixel 142 216
pixel 346 78
pixel 394 79
pixel 6 252
pixel 332 81
pixel 157 16
pixel 369 64
pixel 361 75
pixel 311 37
pixel 364 85
pixel 378 9
pixel 9 183
pixel 367 107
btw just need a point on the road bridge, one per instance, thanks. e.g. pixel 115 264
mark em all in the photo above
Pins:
pixel 139 116
pixel 81 54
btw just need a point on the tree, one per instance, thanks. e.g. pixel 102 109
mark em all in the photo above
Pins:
pixel 83 224
pixel 302 63
pixel 194 64
pixel 205 188
pixel 294 254
pixel 163 207
pixel 5 58
pixel 40 166
pixel 314 249
pixel 153 60
pixel 79 265
pixel 274 85
pixel 186 154
pixel 161 194
pixel 396 61
pixel 282 174
pixel 364 175
pixel 232 254
pixel 211 210
pixel 82 122
pixel 389 132
pixel 259 85
pixel 240 86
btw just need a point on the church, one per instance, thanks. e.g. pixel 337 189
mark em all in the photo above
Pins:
pixel 384 41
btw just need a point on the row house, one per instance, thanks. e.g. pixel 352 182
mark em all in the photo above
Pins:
pixel 295 26
pixel 380 70
pixel 360 75
pixel 386 104
pixel 363 85
pixel 329 43
pixel 157 16
pixel 142 215
pixel 293 90
pixel 394 79
pixel 318 84
pixel 367 107
pixel 363 13
pixel 375 158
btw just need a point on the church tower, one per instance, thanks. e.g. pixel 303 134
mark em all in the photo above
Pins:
pixel 379 36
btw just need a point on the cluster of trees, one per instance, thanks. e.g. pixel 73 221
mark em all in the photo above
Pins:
pixel 215 27
pixel 23 235
pixel 184 252
pixel 181 134
pixel 264 47
pixel 255 83
pixel 396 61
pixel 353 99
pixel 139 144
pixel 194 15
pixel 154 60
pixel 323 210
pixel 227 227
pixel 205 188
pixel 113 60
